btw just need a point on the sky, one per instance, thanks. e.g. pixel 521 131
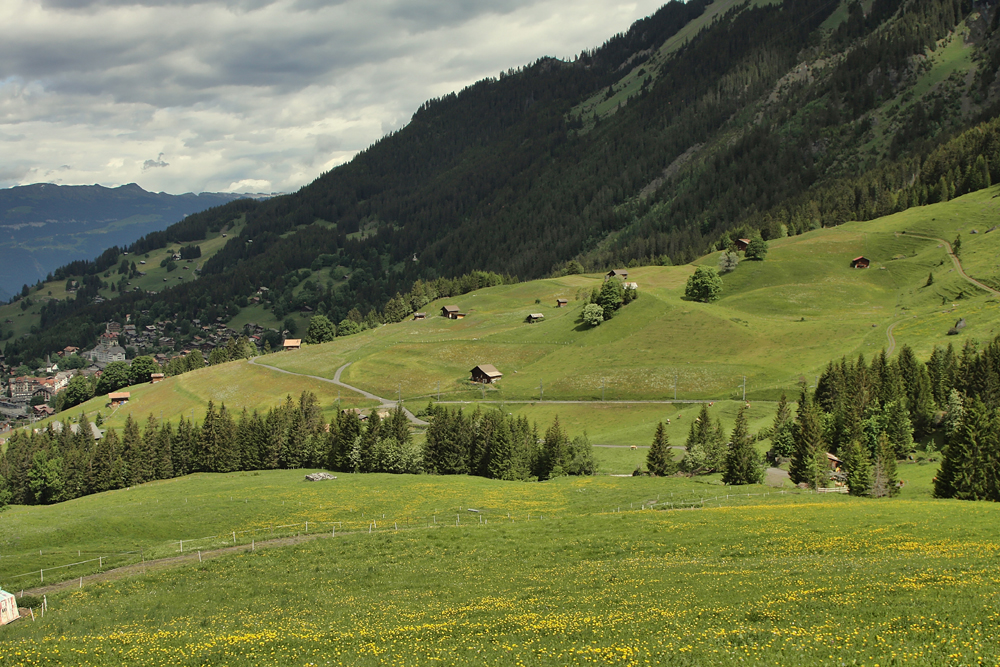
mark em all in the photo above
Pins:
pixel 251 95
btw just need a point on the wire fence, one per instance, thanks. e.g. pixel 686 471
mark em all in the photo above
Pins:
pixel 374 523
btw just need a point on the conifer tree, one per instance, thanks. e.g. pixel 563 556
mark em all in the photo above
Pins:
pixel 965 469
pixel 782 430
pixel 164 451
pixel 743 464
pixel 133 453
pixel 808 465
pixel 660 458
pixel 705 447
pixel 502 459
pixel 859 469
pixel 884 469
pixel 555 451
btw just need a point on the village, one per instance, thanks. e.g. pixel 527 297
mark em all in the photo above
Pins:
pixel 28 398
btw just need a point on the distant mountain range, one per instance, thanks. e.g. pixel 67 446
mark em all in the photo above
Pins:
pixel 44 226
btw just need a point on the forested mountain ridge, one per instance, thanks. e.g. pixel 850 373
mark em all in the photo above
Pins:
pixel 776 117
pixel 45 226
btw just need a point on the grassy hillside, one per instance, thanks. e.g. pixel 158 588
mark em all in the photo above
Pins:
pixel 546 573
pixel 779 321
pixel 21 321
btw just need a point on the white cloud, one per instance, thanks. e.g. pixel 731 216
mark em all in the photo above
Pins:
pixel 250 91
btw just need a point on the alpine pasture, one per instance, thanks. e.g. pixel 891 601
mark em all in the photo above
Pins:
pixel 413 569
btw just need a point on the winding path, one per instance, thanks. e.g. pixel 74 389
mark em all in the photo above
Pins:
pixel 957 263
pixel 892 339
pixel 336 380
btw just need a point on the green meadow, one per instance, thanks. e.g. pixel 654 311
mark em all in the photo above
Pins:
pixel 584 571
pixel 778 322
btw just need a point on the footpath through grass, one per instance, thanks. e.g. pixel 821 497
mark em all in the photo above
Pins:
pixel 783 579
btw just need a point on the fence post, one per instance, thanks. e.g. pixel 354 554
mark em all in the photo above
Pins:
pixel 41 574
pixel 307 527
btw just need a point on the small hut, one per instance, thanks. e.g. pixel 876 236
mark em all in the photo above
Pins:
pixel 860 263
pixel 561 302
pixel 155 377
pixel 741 244
pixel 292 344
pixel 117 398
pixel 8 608
pixel 486 374
pixel 449 311
pixel 535 317
pixel 420 316
pixel 616 273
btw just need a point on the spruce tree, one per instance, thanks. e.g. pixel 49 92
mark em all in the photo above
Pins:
pixel 884 482
pixel 859 469
pixel 743 464
pixel 660 459
pixel 782 430
pixel 808 465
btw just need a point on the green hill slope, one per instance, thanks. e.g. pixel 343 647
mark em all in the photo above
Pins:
pixel 778 322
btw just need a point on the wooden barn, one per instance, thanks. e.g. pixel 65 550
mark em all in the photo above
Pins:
pixel 449 311
pixel 486 373
pixel 155 377
pixel 561 302
pixel 292 344
pixel 741 244
pixel 420 316
pixel 860 263
pixel 117 398
pixel 8 608
pixel 616 273
pixel 535 317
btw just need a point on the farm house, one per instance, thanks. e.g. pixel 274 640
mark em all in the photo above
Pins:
pixel 486 373
pixel 8 608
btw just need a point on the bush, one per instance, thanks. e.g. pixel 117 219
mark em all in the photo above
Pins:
pixel 593 314
pixel 703 285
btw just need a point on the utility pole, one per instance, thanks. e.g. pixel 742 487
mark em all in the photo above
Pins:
pixel 744 388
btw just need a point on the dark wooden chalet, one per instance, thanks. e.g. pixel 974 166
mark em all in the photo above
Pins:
pixel 449 311
pixel 486 373
pixel 860 263
pixel 741 244
pixel 561 302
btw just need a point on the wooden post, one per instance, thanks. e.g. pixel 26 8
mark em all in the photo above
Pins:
pixel 41 574
pixel 199 555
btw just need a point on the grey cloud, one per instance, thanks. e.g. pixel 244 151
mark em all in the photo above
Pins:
pixel 252 90
pixel 154 164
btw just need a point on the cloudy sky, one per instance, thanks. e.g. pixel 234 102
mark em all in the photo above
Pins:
pixel 250 95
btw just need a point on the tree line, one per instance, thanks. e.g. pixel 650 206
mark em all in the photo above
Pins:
pixel 64 461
